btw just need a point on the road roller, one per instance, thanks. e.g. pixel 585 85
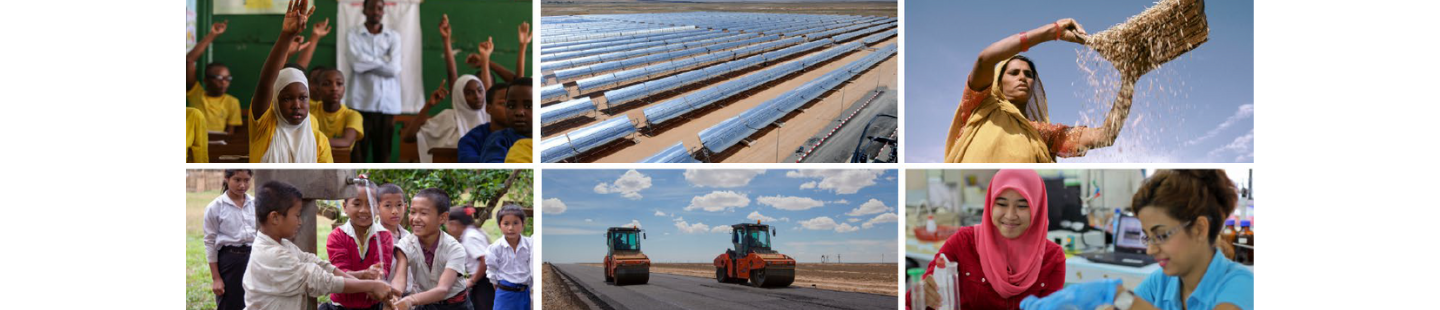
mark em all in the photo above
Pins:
pixel 624 263
pixel 752 259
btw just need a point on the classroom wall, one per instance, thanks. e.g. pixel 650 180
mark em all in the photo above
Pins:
pixel 245 44
pixel 248 40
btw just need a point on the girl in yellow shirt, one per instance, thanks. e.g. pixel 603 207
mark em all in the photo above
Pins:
pixel 285 134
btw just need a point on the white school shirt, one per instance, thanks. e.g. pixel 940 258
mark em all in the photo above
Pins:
pixel 374 71
pixel 476 244
pixel 395 259
pixel 228 224
pixel 448 255
pixel 509 264
pixel 280 275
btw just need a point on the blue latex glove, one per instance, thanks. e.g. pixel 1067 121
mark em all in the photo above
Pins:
pixel 1083 296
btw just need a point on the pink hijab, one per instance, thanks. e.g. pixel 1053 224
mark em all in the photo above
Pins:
pixel 1013 265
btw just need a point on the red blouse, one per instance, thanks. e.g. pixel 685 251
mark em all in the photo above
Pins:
pixel 975 291
pixel 345 255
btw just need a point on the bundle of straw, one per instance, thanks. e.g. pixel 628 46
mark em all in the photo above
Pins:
pixel 1159 34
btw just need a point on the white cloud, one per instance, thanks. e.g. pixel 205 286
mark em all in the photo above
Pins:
pixel 827 223
pixel 846 181
pixel 790 203
pixel 691 228
pixel 633 223
pixel 882 218
pixel 719 201
pixel 628 185
pixel 659 213
pixel 756 216
pixel 552 206
pixel 1242 146
pixel 808 185
pixel 852 220
pixel 841 202
pixel 721 178
pixel 784 219
pixel 1244 112
pixel 869 207
pixel 720 229
pixel 589 220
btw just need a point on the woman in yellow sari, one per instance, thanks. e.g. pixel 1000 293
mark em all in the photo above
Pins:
pixel 1002 117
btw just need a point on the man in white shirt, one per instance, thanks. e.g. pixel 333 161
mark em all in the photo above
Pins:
pixel 375 55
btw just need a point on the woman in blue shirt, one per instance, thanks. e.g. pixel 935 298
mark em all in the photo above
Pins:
pixel 1181 212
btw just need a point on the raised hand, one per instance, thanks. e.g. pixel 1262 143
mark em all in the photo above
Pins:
pixel 321 29
pixel 219 27
pixel 445 26
pixel 1071 31
pixel 437 95
pixel 486 48
pixel 524 33
pixel 296 16
pixel 298 44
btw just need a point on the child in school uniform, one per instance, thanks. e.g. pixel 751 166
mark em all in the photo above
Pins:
pixel 517 102
pixel 197 139
pixel 222 111
pixel 474 141
pixel 360 248
pixel 392 205
pixel 508 261
pixel 467 109
pixel 279 274
pixel 341 124
pixel 430 259
pixel 229 227
pixel 462 226
pixel 281 129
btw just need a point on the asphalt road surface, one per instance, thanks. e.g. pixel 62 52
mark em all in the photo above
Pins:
pixel 666 291
pixel 841 144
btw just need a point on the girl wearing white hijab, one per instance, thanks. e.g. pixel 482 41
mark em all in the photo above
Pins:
pixel 285 134
pixel 467 105
pixel 446 128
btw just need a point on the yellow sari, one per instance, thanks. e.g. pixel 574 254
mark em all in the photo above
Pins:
pixel 996 131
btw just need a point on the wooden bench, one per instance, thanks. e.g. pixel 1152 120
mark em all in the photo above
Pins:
pixel 444 155
pixel 409 151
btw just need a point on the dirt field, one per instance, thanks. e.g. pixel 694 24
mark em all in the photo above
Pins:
pixel 549 8
pixel 879 279
pixel 557 295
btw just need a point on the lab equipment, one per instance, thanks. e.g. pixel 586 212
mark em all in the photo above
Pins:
pixel 1083 296
pixel 1129 247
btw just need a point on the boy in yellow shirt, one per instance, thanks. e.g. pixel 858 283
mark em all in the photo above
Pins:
pixel 222 111
pixel 341 124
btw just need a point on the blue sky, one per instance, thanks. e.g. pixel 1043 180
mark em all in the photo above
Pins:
pixel 853 213
pixel 1198 108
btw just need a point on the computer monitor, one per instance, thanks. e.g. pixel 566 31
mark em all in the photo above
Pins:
pixel 1130 235
pixel 1064 204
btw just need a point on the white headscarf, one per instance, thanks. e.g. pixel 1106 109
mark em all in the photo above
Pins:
pixel 292 143
pixel 467 118
pixel 446 128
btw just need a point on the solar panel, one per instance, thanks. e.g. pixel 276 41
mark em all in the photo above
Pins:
pixel 565 110
pixel 556 149
pixel 587 138
pixel 673 154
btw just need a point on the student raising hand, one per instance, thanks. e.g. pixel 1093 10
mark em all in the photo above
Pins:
pixel 524 33
pixel 445 26
pixel 294 21
pixel 296 16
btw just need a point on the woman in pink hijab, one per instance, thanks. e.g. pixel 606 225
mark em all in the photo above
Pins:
pixel 1006 257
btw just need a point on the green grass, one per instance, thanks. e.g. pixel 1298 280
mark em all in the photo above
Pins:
pixel 197 269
